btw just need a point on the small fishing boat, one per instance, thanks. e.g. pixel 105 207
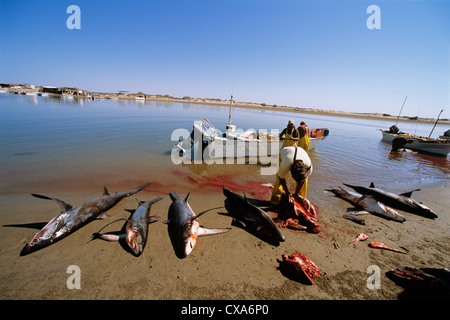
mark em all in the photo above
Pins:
pixel 67 96
pixel 237 143
pixel 405 140
pixel 417 143
pixel 446 135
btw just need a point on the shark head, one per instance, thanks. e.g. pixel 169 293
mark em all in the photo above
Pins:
pixel 135 240
pixel 423 209
pixel 34 245
pixel 190 234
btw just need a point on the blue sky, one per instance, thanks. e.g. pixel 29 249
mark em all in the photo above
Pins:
pixel 316 54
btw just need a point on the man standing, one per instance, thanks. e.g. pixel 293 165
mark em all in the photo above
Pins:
pixel 290 135
pixel 304 133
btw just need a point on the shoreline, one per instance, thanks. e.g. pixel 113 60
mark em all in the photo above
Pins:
pixel 260 106
pixel 248 105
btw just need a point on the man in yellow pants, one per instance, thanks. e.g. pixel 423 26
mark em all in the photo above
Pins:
pixel 290 135
pixel 304 132
pixel 296 161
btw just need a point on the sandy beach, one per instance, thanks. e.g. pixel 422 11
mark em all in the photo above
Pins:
pixel 235 265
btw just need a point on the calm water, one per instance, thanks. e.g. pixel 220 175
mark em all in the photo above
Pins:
pixel 53 145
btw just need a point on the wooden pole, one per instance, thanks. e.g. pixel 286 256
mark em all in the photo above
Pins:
pixel 229 114
pixel 401 110
pixel 435 123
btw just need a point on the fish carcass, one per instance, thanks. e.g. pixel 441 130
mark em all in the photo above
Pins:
pixel 399 201
pixel 256 220
pixel 136 228
pixel 299 266
pixel 184 227
pixel 360 237
pixel 295 206
pixel 369 204
pixel 71 219
pixel 379 245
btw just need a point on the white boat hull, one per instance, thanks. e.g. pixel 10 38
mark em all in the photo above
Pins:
pixel 217 145
pixel 434 146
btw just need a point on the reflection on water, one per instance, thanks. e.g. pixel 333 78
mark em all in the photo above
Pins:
pixel 60 144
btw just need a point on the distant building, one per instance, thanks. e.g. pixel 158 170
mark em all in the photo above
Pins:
pixel 29 86
pixel 10 85
pixel 51 89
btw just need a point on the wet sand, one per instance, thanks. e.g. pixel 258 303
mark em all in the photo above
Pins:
pixel 234 265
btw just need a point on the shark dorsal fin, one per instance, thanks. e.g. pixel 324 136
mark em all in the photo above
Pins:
pixel 105 191
pixel 63 206
pixel 185 199
pixel 409 193
pixel 372 185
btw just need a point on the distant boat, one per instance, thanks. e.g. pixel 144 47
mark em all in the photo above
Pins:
pixel 235 144
pixel 446 135
pixel 31 93
pixel 140 98
pixel 4 90
pixel 417 143
pixel 67 96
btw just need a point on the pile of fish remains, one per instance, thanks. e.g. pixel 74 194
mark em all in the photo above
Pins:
pixel 381 203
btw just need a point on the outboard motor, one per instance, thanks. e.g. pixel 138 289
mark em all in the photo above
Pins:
pixel 394 129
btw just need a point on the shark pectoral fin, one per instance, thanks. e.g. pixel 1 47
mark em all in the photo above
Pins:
pixel 360 212
pixel 152 219
pixel 108 236
pixel 62 205
pixel 365 196
pixel 103 216
pixel 409 193
pixel 210 232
